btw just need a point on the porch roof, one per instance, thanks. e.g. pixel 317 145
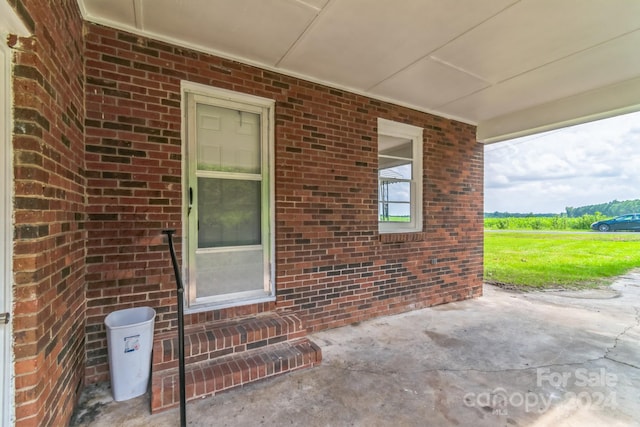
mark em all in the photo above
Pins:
pixel 511 67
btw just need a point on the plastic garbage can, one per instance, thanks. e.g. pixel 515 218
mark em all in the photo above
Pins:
pixel 129 343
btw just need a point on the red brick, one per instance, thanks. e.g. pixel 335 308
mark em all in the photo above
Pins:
pixel 49 267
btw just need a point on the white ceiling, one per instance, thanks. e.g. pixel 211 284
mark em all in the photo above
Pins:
pixel 511 67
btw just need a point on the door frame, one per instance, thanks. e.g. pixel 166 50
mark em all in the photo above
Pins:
pixel 225 96
pixel 6 185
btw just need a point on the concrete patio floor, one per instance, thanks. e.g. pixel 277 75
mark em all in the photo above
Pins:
pixel 507 359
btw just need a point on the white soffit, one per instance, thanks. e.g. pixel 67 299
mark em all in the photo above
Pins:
pixel 601 103
pixel 241 27
pixel 587 70
pixel 504 65
pixel 535 33
pixel 360 43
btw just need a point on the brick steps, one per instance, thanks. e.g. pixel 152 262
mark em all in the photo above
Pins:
pixel 223 355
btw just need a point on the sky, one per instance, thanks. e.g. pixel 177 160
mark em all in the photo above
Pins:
pixel 581 165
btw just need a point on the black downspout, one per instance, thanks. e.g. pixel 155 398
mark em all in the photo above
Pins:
pixel 176 271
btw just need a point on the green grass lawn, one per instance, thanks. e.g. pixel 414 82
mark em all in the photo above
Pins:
pixel 558 260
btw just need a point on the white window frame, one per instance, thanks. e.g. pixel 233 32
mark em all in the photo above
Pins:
pixel 265 107
pixel 415 134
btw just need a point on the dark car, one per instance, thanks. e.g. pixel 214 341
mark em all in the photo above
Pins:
pixel 629 222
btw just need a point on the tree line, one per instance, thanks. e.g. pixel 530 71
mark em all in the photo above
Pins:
pixel 613 208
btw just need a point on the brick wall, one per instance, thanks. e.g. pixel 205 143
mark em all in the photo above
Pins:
pixel 49 239
pixel 133 160
pixel 332 265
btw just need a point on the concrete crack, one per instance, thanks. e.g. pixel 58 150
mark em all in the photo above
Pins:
pixel 382 370
pixel 617 340
pixel 379 369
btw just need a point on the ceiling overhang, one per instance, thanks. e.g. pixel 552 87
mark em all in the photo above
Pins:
pixel 511 67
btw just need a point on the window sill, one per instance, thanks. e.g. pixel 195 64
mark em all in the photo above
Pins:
pixel 402 237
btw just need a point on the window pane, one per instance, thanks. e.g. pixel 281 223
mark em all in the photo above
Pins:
pixel 395 147
pixel 228 140
pixel 395 201
pixel 395 212
pixel 395 191
pixel 228 212
pixel 395 168
pixel 228 272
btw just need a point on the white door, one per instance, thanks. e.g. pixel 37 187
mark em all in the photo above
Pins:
pixel 229 201
pixel 5 238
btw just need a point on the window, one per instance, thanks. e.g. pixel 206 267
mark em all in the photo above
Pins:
pixel 228 198
pixel 399 177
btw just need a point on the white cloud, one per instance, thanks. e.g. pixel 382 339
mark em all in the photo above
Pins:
pixel 582 165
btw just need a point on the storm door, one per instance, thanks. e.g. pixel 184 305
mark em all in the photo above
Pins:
pixel 228 201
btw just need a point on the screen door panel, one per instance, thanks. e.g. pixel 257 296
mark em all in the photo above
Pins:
pixel 228 240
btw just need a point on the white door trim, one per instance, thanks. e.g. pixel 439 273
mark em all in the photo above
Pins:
pixel 265 107
pixel 6 243
pixel 10 23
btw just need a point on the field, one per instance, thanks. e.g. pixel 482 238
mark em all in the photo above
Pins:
pixel 543 223
pixel 558 260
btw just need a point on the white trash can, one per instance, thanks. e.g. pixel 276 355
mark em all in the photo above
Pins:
pixel 129 343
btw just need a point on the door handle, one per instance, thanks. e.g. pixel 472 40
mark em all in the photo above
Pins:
pixel 190 200
pixel 4 318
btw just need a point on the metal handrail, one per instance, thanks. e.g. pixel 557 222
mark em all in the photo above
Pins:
pixel 176 272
